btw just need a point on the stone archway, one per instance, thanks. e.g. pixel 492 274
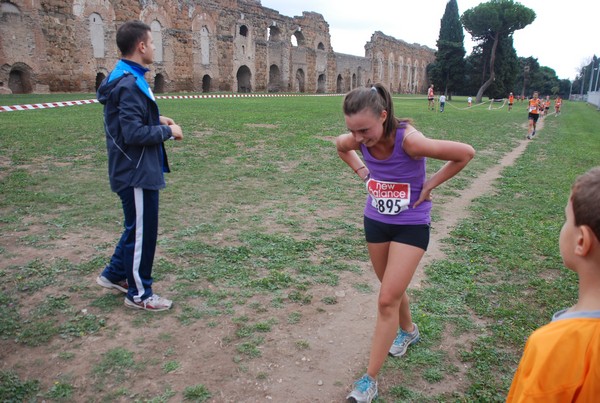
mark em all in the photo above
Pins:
pixel 300 81
pixel 99 78
pixel 274 34
pixel 274 79
pixel 321 84
pixel 340 84
pixel 206 81
pixel 19 80
pixel 297 39
pixel 244 79
pixel 159 84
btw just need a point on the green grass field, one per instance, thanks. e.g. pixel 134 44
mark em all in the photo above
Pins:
pixel 260 212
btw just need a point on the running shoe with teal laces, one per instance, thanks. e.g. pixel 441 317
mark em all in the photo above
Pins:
pixel 365 390
pixel 403 340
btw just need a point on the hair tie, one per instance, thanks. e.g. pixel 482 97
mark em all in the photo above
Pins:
pixel 373 88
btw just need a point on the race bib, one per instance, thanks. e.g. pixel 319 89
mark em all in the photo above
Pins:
pixel 389 198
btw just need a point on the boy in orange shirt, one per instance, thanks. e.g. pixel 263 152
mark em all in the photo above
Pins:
pixel 534 108
pixel 557 104
pixel 561 361
pixel 547 105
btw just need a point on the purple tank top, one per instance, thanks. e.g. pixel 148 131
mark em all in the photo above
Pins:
pixel 395 185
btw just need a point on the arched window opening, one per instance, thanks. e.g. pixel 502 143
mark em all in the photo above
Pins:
pixel 379 67
pixel 298 39
pixel 243 30
pixel 339 84
pixel 416 77
pixel 97 35
pixel 19 82
pixel 99 78
pixel 244 79
pixel 321 84
pixel 205 45
pixel 206 81
pixel 400 72
pixel 274 33
pixel 159 84
pixel 300 81
pixel 274 79
pixel 359 77
pixel 320 46
pixel 391 71
pixel 409 77
pixel 156 30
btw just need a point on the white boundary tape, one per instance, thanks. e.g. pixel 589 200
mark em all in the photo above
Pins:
pixel 492 102
pixel 12 108
pixel 49 105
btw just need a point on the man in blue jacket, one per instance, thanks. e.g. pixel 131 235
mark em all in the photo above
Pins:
pixel 137 160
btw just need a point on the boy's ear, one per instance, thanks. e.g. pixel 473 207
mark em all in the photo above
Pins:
pixel 585 240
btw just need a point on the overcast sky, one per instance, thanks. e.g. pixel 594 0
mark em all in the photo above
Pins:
pixel 564 36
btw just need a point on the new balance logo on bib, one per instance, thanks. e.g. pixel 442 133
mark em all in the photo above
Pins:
pixel 389 198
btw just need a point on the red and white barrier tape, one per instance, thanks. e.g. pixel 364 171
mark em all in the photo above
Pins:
pixel 12 108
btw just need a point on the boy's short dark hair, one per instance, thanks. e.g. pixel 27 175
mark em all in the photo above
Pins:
pixel 130 34
pixel 585 197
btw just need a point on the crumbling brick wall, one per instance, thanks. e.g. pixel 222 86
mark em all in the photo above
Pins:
pixel 205 45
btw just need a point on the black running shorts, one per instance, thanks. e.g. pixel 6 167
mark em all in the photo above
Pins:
pixel 414 235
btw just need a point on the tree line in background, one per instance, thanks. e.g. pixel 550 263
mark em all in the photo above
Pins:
pixel 493 68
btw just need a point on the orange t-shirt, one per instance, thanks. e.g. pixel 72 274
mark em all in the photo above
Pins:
pixel 511 98
pixel 561 362
pixel 534 105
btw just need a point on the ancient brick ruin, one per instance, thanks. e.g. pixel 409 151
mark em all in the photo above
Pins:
pixel 201 46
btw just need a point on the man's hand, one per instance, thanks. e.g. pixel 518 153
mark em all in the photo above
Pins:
pixel 176 130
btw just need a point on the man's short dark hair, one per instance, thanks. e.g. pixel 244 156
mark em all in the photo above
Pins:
pixel 130 34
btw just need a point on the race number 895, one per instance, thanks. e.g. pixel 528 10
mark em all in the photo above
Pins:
pixel 389 206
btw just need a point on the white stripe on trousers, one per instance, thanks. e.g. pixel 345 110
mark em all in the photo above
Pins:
pixel 138 195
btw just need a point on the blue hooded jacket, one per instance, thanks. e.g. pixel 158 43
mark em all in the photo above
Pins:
pixel 134 136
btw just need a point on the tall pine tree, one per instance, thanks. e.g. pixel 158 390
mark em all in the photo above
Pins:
pixel 447 72
pixel 492 22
